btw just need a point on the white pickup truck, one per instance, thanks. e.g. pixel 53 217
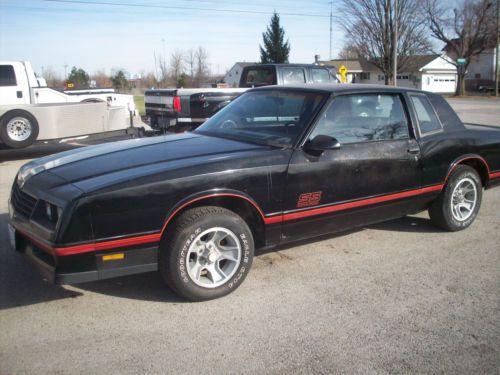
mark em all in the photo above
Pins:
pixel 30 111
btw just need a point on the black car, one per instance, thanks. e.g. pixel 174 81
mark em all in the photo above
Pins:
pixel 278 164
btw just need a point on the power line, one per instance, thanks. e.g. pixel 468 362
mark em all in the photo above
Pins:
pixel 155 6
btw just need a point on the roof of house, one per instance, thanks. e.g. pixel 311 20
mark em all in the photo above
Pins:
pixel 412 64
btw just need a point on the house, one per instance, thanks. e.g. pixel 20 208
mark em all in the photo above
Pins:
pixel 433 73
pixel 232 77
pixel 481 69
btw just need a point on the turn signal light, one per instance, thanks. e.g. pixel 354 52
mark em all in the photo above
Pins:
pixel 117 256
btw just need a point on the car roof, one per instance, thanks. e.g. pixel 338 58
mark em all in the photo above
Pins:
pixel 294 65
pixel 339 88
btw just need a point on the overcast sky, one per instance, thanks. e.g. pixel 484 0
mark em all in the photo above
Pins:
pixel 94 36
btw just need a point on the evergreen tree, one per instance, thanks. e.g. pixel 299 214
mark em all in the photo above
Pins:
pixel 79 78
pixel 275 50
pixel 120 81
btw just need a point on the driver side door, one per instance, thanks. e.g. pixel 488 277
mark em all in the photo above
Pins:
pixel 374 175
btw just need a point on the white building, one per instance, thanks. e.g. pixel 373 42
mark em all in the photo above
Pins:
pixel 232 77
pixel 430 72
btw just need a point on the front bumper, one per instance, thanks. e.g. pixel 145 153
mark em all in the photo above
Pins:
pixel 80 268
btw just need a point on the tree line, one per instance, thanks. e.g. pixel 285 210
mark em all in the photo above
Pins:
pixel 182 69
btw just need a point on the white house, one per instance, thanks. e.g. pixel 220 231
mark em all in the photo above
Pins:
pixel 232 77
pixel 429 72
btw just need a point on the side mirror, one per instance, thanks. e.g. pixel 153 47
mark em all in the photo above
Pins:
pixel 321 143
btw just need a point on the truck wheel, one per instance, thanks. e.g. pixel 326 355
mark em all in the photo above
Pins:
pixel 18 129
pixel 207 254
pixel 458 204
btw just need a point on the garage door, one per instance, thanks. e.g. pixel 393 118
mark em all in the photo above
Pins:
pixel 440 83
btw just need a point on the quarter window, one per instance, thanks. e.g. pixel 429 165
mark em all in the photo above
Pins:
pixel 293 75
pixel 320 75
pixel 427 118
pixel 364 118
pixel 7 75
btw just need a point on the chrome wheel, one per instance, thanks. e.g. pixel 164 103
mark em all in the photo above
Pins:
pixel 19 129
pixel 213 257
pixel 463 199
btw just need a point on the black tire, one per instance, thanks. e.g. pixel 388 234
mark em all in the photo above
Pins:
pixel 177 258
pixel 441 211
pixel 28 127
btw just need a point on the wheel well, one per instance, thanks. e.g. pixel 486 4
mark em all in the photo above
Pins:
pixel 479 166
pixel 247 211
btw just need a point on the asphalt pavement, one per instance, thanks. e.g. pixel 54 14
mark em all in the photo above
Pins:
pixel 398 297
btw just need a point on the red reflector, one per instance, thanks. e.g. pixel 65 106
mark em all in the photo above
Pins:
pixel 177 103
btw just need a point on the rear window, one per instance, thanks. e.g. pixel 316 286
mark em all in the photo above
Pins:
pixel 320 75
pixel 259 77
pixel 427 118
pixel 7 75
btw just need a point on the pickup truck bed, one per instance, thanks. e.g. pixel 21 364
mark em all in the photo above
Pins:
pixel 179 109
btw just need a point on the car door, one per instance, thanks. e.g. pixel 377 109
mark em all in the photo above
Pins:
pixel 375 173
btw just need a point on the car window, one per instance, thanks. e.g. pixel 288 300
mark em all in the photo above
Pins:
pixel 320 75
pixel 427 118
pixel 260 77
pixel 7 75
pixel 363 118
pixel 273 117
pixel 293 75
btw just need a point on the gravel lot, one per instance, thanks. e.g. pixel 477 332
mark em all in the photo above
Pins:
pixel 398 297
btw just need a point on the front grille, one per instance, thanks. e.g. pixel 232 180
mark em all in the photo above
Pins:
pixel 23 203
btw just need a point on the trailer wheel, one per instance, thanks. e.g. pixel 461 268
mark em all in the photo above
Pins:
pixel 18 129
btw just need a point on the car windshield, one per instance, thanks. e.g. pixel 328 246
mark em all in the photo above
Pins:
pixel 271 117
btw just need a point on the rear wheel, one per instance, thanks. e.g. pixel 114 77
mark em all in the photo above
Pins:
pixel 207 254
pixel 18 129
pixel 458 204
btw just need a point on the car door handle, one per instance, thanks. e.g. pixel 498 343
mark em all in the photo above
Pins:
pixel 414 150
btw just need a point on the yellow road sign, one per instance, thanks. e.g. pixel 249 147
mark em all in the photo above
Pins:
pixel 343 73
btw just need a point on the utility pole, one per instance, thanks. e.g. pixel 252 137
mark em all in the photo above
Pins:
pixel 395 44
pixel 331 28
pixel 65 71
pixel 497 50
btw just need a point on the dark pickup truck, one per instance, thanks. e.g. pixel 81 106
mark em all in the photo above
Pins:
pixel 184 109
pixel 278 164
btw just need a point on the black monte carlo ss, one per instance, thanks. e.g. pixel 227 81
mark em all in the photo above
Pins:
pixel 278 164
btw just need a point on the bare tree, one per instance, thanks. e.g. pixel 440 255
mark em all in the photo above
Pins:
pixel 101 78
pixel 191 62
pixel 202 71
pixel 370 25
pixel 161 70
pixel 467 30
pixel 53 79
pixel 177 67
pixel 348 52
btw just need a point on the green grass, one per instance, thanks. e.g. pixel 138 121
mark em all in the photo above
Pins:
pixel 139 104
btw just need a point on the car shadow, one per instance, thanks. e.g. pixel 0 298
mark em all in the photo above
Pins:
pixel 409 224
pixel 20 284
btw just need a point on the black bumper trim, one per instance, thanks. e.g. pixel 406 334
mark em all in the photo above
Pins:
pixel 51 274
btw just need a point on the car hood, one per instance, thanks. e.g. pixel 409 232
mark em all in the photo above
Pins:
pixel 125 158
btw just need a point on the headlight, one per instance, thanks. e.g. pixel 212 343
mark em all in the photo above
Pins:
pixel 47 214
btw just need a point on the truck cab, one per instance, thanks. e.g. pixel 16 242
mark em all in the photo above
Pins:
pixel 284 74
pixel 16 79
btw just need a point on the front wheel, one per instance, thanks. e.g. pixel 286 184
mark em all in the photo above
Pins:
pixel 207 254
pixel 458 204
